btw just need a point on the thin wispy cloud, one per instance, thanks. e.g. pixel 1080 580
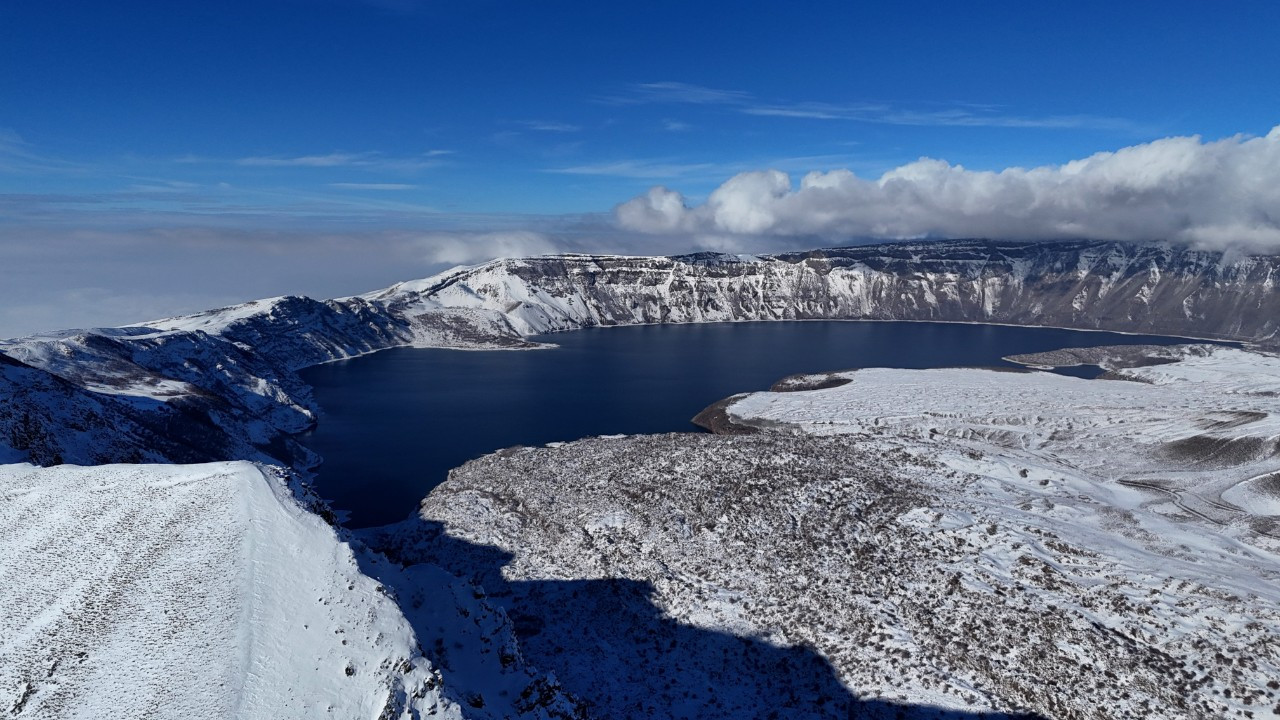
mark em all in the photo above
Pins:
pixel 162 204
pixel 676 92
pixel 156 185
pixel 372 186
pixel 672 169
pixel 551 126
pixel 956 114
pixel 818 111
pixel 676 126
pixel 643 169
pixel 949 117
pixel 399 7
pixel 330 160
pixel 10 140
pixel 17 156
pixel 368 159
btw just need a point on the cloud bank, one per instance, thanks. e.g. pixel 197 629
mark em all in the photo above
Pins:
pixel 108 276
pixel 1224 193
pixel 165 248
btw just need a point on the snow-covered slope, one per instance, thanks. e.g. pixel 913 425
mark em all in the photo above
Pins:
pixel 170 591
pixel 1201 435
pixel 915 539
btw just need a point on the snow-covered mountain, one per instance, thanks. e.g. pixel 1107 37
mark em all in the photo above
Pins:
pixel 1113 286
pixel 221 384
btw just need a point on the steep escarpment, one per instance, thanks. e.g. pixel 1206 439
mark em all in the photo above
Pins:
pixel 1156 289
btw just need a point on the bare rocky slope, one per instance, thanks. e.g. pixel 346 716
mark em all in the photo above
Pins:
pixel 851 576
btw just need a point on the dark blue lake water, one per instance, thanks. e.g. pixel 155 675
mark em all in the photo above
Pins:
pixel 394 423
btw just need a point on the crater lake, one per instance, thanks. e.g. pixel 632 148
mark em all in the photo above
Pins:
pixel 393 423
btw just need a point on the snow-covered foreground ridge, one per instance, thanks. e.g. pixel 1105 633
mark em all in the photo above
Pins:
pixel 221 384
pixel 207 591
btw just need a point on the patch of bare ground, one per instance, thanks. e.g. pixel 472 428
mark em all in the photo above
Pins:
pixel 715 418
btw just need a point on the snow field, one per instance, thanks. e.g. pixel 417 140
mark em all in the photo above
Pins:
pixel 189 591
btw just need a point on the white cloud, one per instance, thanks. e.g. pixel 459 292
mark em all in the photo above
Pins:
pixel 923 114
pixel 678 92
pixel 972 116
pixel 375 160
pixel 1214 194
pixel 10 138
pixel 330 160
pixel 18 157
pixel 457 248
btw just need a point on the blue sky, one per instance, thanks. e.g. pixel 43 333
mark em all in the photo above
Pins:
pixel 243 123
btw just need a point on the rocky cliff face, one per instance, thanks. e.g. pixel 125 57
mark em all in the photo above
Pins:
pixel 1095 285
pixel 222 384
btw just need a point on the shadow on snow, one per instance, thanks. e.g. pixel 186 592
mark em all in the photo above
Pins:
pixel 613 649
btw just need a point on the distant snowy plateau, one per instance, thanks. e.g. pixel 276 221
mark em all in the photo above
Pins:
pixel 874 543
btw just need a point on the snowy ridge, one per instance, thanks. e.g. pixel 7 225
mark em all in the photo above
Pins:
pixel 213 386
pixel 207 591
pixel 1112 286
